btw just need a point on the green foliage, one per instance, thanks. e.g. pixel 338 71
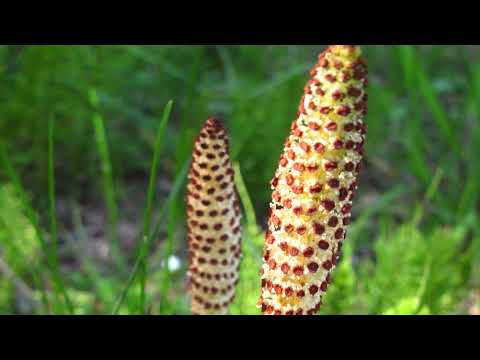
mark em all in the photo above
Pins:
pixel 427 268
pixel 20 249
pixel 18 243
pixel 412 248
pixel 342 296
pixel 248 288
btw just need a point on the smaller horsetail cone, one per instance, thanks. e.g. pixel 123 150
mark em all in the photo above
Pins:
pixel 213 223
pixel 314 185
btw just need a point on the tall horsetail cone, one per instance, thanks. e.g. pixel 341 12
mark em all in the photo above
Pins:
pixel 314 185
pixel 213 223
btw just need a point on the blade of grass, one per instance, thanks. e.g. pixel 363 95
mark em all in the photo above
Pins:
pixel 25 203
pixel 187 126
pixel 384 201
pixel 172 220
pixel 435 184
pixel 147 218
pixel 43 292
pixel 413 140
pixel 250 215
pixel 19 254
pixel 145 246
pixel 176 188
pixel 27 293
pixel 471 189
pixel 439 114
pixel 32 216
pixel 107 176
pixel 79 245
pixel 128 285
pixel 243 99
pixel 429 196
pixel 53 215
pixel 51 193
pixel 280 79
pixel 250 240
pixel 228 66
pixel 147 240
pixel 163 62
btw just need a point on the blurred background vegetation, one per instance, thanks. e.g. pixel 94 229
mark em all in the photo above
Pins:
pixel 413 246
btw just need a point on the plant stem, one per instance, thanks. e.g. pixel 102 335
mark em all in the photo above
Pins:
pixel 147 218
pixel 54 261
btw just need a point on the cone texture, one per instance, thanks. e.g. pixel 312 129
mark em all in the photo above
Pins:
pixel 314 185
pixel 213 223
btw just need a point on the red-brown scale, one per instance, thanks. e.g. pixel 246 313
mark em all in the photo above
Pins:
pixel 314 185
pixel 213 223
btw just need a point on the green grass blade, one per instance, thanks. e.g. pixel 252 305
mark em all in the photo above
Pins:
pixel 383 202
pixel 128 285
pixel 37 280
pixel 280 79
pixel 471 190
pixel 176 188
pixel 439 114
pixel 15 180
pixel 107 175
pixel 147 218
pixel 431 194
pixel 413 139
pixel 146 244
pixel 250 215
pixel 92 273
pixel 228 66
pixel 51 194
pixel 168 251
pixel 33 218
pixel 432 190
pixel 53 216
pixel 19 254
pixel 11 276
pixel 25 203
pixel 190 109
pixel 252 241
